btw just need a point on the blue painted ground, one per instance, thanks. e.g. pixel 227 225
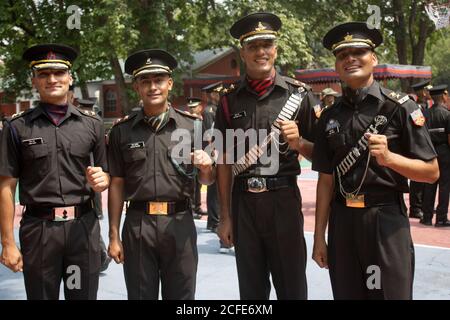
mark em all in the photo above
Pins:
pixel 217 274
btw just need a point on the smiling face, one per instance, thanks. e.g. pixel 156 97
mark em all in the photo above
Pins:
pixel 259 58
pixel 52 85
pixel 355 66
pixel 153 89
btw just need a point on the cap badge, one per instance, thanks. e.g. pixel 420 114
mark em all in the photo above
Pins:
pixel 260 27
pixel 51 56
pixel 348 37
pixel 149 61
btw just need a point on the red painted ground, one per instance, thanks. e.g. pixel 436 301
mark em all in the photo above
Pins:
pixel 421 234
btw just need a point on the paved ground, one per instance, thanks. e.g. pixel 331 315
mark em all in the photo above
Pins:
pixel 217 272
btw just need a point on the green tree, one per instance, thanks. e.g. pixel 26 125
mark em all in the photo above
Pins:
pixel 405 26
pixel 438 56
pixel 215 20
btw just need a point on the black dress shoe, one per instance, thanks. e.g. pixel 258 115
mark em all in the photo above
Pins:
pixel 445 223
pixel 416 214
pixel 426 222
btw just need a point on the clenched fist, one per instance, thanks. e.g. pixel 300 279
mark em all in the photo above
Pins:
pixel 97 179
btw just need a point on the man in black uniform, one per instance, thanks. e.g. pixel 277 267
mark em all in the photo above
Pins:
pixel 368 144
pixel 212 202
pixel 265 221
pixel 195 108
pixel 438 123
pixel 209 114
pixel 47 150
pixel 416 188
pixel 147 169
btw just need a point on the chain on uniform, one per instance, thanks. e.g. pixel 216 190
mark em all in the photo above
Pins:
pixel 347 163
pixel 289 111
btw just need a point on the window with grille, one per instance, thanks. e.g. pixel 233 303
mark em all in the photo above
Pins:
pixel 110 101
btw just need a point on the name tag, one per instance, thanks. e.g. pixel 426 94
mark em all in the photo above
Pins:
pixel 136 145
pixel 33 141
pixel 238 115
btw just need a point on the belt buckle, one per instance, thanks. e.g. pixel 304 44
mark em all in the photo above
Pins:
pixel 357 201
pixel 257 185
pixel 157 208
pixel 64 213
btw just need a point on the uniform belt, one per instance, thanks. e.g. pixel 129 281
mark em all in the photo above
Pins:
pixel 263 184
pixel 375 199
pixel 53 213
pixel 160 207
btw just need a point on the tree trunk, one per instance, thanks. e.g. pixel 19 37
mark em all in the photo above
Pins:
pixel 401 35
pixel 84 90
pixel 120 84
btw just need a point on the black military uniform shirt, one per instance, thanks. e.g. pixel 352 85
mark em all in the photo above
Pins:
pixel 438 117
pixel 247 110
pixel 50 161
pixel 145 160
pixel 341 126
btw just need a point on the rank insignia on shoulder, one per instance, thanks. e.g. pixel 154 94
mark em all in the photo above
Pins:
pixel 418 118
pixel 17 115
pixel 120 120
pixel 394 95
pixel 228 90
pixel 398 97
pixel 88 113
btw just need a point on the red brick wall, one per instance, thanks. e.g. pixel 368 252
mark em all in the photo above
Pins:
pixel 6 109
pixel 24 105
pixel 228 66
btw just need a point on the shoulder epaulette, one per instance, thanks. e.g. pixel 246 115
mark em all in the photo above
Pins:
pixel 399 98
pixel 187 114
pixel 89 113
pixel 123 120
pixel 296 82
pixel 20 114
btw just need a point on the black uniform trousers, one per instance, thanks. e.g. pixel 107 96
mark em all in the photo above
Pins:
pixel 416 190
pixel 444 188
pixel 212 203
pixel 160 247
pixel 269 240
pixel 362 238
pixel 54 251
